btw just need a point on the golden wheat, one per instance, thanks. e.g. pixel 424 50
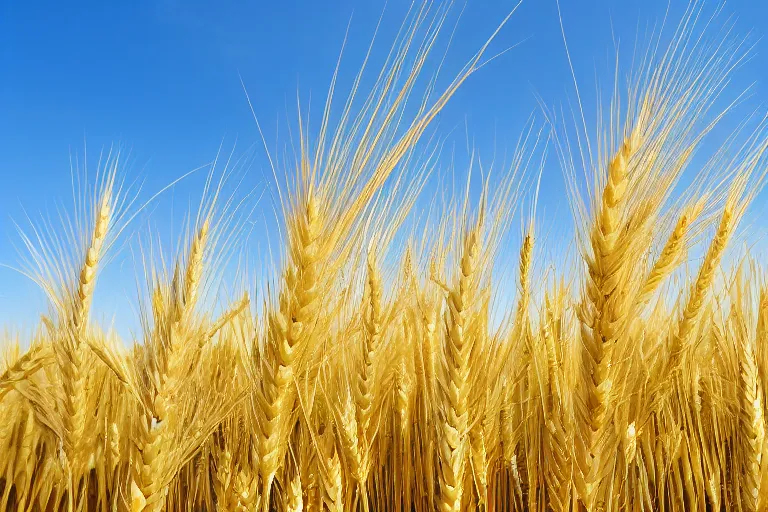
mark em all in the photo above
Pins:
pixel 629 376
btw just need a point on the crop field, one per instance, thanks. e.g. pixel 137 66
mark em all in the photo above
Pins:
pixel 386 363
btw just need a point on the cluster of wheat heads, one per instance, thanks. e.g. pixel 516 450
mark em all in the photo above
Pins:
pixel 380 375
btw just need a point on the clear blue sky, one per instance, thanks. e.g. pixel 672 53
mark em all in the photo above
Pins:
pixel 162 79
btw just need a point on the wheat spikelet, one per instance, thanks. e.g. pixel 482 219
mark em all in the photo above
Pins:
pixel 246 487
pixel 295 500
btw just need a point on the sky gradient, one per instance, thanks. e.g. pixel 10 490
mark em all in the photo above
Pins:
pixel 162 81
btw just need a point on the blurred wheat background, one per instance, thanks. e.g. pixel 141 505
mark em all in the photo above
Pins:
pixel 397 353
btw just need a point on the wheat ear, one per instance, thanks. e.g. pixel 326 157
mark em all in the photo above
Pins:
pixel 761 344
pixel 599 323
pixel 403 398
pixel 86 281
pixel 428 348
pixel 73 355
pixel 372 320
pixel 355 455
pixel 223 480
pixel 453 434
pixel 294 499
pixel 404 380
pixel 557 471
pixel 308 472
pixel 229 315
pixel 23 368
pixel 157 429
pixel 26 458
pixel 288 328
pixel 753 428
pixel 247 490
pixel 194 271
pixel 752 415
pixel 331 476
pixel 671 254
pixel 526 256
pixel 703 283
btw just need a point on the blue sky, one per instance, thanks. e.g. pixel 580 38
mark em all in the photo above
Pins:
pixel 161 79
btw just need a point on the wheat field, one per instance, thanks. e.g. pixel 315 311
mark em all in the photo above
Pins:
pixel 390 363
